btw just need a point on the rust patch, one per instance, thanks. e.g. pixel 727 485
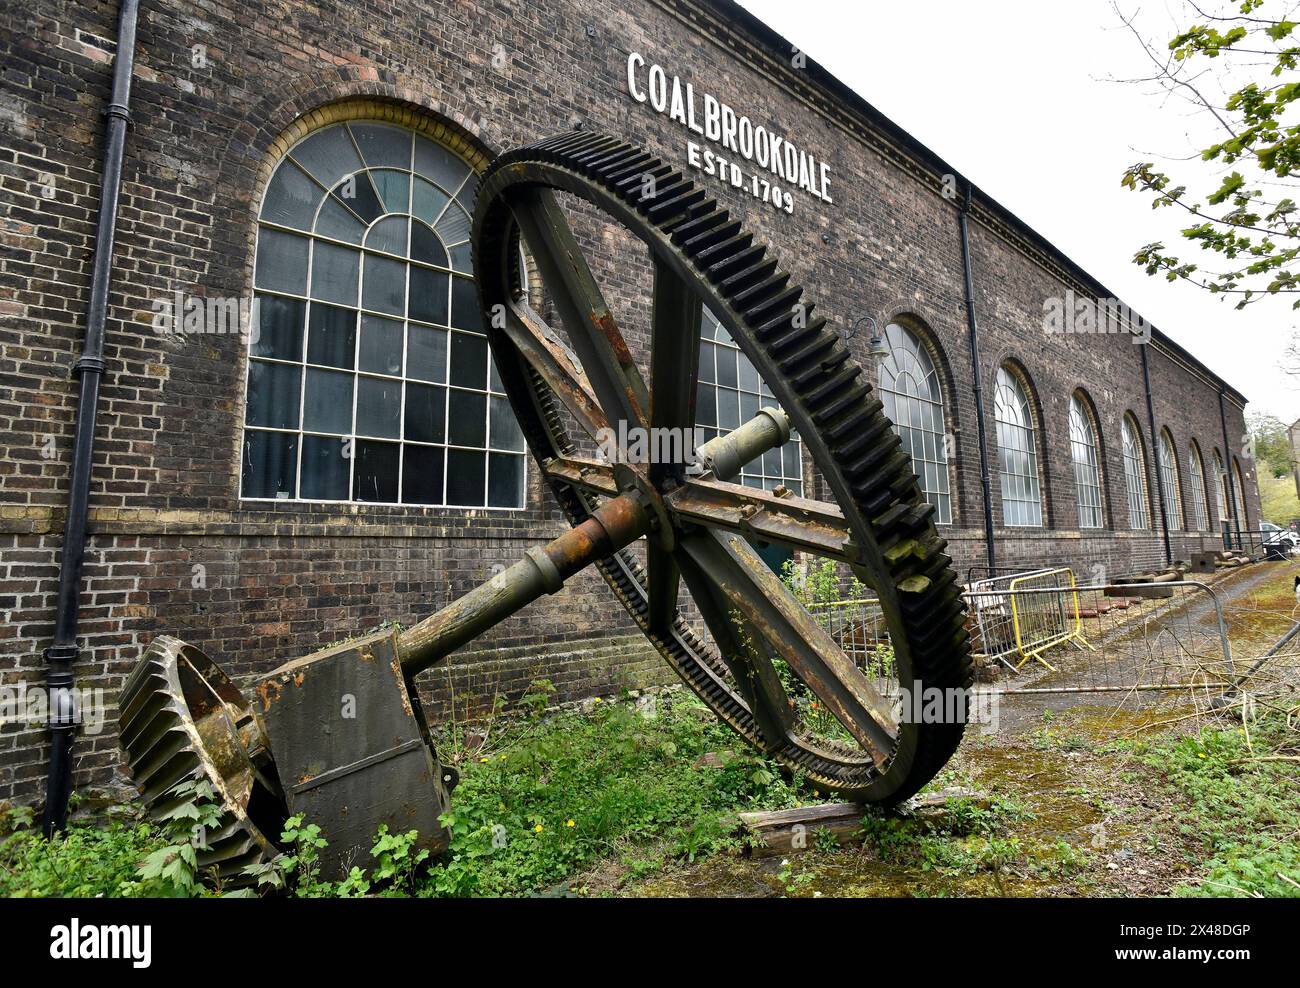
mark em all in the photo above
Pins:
pixel 269 692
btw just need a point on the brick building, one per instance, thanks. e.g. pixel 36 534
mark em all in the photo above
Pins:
pixel 220 509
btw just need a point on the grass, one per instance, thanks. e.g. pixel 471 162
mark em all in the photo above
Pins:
pixel 557 794
pixel 624 791
pixel 611 782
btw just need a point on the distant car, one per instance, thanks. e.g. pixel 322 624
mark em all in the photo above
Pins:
pixel 1277 535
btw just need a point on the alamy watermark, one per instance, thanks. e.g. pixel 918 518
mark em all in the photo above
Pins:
pixel 202 315
pixel 1073 314
pixel 638 445
pixel 32 706
pixel 921 704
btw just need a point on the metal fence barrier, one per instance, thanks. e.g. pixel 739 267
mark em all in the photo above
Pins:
pixel 1139 636
pixel 1043 621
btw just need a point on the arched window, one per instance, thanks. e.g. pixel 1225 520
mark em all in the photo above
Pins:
pixel 1022 504
pixel 1170 493
pixel 1219 489
pixel 1087 470
pixel 1199 516
pixel 1238 491
pixel 370 377
pixel 913 400
pixel 730 393
pixel 1135 476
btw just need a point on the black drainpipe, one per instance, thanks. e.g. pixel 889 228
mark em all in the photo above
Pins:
pixel 61 656
pixel 962 220
pixel 1228 474
pixel 1159 498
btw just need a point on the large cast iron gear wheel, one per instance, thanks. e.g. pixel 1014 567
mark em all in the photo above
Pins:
pixel 182 719
pixel 701 255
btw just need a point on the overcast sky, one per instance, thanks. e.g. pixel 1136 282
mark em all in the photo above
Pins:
pixel 1015 95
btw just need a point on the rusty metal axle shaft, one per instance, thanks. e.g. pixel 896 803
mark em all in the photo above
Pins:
pixel 613 526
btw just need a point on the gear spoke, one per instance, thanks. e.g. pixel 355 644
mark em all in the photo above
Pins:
pixel 592 331
pixel 795 522
pixel 675 318
pixel 751 590
pixel 544 352
pixel 751 667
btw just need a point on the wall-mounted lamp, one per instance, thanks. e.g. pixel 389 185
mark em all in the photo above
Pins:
pixel 876 345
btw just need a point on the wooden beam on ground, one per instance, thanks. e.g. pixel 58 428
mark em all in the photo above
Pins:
pixel 775 833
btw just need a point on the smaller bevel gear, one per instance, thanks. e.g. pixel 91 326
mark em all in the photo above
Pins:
pixel 182 718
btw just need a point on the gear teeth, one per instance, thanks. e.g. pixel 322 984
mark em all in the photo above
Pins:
pixel 825 382
pixel 164 748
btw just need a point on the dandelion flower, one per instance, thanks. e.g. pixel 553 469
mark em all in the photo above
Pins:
pixel 570 824
pixel 537 829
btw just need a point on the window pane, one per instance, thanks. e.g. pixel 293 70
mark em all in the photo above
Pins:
pixel 461 259
pixel 357 194
pixel 388 234
pixel 381 345
pixel 465 480
pixel 727 367
pixel 379 407
pixel 324 468
pixel 469 361
pixel 454 225
pixel 383 145
pixel 331 336
pixel 375 471
pixel 505 480
pixel 728 410
pixel 427 246
pixel 328 404
pixel 426 353
pixel 465 312
pixel 422 475
pixel 466 194
pixel 385 285
pixel 467 419
pixel 706 410
pixel 505 427
pixel 270 462
pixel 394 191
pixel 273 395
pixel 428 295
pixel 435 162
pixel 334 273
pixel 706 362
pixel 328 154
pixel 281 262
pixel 291 198
pixel 427 203
pixel 279 328
pixel 425 413
pixel 337 222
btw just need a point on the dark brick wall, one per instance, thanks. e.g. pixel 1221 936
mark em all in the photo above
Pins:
pixel 280 580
